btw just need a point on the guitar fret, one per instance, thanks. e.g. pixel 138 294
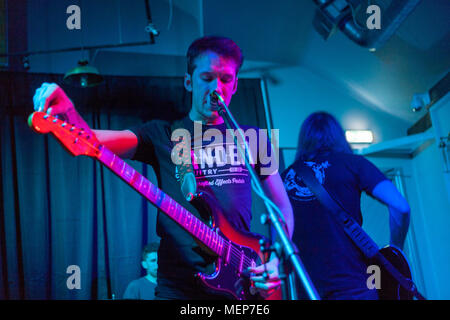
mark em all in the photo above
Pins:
pixel 208 237
pixel 169 210
pixel 195 226
pixel 214 241
pixel 241 261
pixel 217 244
pixel 188 223
pixel 124 164
pixel 159 198
pixel 140 183
pixel 227 258
pixel 112 161
pixel 191 220
pixel 129 173
pixel 199 226
pixel 200 233
pixel 153 192
pixel 185 220
pixel 117 163
pixel 222 246
pixel 182 213
pixel 182 218
pixel 176 212
pixel 145 189
pixel 188 226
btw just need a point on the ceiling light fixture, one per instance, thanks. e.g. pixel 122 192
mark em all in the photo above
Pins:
pixel 359 136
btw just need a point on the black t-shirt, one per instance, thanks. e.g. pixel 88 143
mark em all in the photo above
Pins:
pixel 219 171
pixel 140 289
pixel 332 260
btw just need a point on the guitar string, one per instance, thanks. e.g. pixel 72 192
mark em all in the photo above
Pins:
pixel 235 256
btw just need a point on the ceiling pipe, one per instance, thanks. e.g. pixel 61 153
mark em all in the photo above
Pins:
pixel 338 13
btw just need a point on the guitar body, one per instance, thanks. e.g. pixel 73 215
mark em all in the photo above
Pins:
pixel 229 278
pixel 390 288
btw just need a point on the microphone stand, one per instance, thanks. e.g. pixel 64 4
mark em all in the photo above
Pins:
pixel 288 256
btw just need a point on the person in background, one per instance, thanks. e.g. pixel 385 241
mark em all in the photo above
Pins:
pixel 144 287
pixel 335 264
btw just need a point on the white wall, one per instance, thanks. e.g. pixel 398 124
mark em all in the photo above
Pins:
pixel 434 206
pixel 376 221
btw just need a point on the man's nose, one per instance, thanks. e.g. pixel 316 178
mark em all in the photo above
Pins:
pixel 216 85
pixel 217 88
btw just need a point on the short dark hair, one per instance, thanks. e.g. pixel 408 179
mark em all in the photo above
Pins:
pixel 223 46
pixel 320 133
pixel 149 248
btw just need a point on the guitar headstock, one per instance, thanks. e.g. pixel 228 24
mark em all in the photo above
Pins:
pixel 74 140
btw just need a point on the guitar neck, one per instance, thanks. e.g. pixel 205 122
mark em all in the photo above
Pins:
pixel 162 201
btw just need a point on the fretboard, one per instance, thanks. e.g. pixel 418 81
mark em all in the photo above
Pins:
pixel 162 201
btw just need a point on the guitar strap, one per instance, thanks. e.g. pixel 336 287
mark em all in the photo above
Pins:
pixel 351 227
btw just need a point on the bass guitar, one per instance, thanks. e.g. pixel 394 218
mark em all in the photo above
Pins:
pixel 390 287
pixel 234 250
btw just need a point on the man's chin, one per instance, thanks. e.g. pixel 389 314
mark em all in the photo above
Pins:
pixel 211 113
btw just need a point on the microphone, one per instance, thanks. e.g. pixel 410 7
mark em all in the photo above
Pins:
pixel 217 98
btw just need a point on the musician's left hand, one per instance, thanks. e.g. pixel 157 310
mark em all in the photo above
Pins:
pixel 266 286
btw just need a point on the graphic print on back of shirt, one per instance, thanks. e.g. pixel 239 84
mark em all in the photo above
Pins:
pixel 295 186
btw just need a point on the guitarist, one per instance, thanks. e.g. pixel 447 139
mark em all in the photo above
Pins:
pixel 212 65
pixel 335 264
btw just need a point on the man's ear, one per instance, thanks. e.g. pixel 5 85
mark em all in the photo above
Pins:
pixel 235 85
pixel 144 265
pixel 188 82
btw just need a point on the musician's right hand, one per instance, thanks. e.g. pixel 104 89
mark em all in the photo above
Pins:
pixel 50 98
